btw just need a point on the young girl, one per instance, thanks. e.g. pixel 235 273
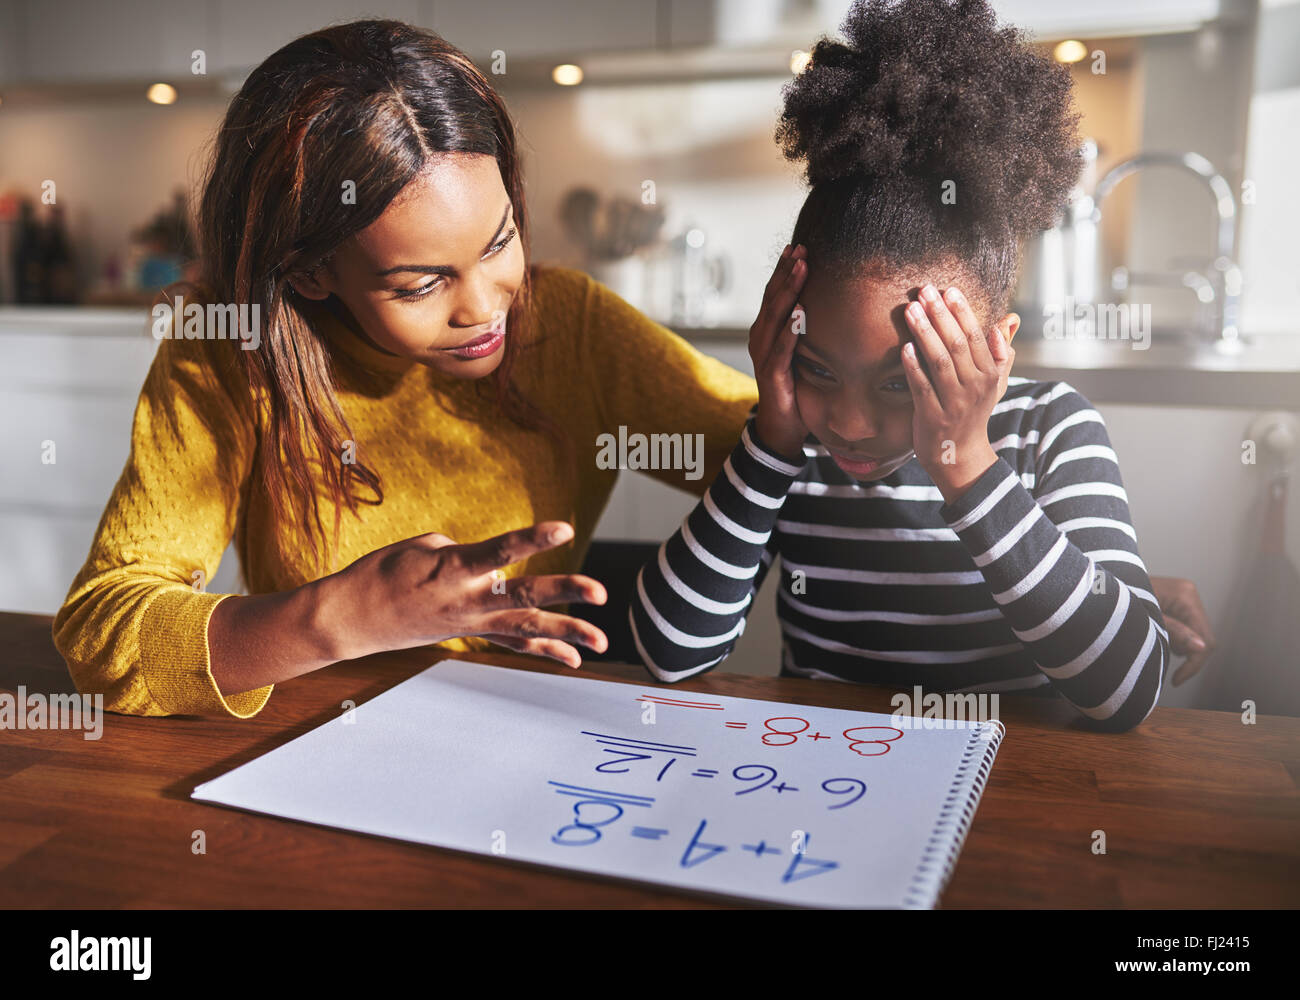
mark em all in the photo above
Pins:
pixel 409 380
pixel 939 522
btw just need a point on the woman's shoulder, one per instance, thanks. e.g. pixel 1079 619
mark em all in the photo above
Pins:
pixel 559 289
pixel 571 307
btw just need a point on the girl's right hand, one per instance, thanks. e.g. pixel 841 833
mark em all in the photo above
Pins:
pixel 426 589
pixel 772 340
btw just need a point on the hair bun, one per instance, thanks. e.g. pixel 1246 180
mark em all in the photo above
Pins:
pixel 921 92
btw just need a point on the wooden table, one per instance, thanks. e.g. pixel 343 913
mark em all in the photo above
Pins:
pixel 1198 809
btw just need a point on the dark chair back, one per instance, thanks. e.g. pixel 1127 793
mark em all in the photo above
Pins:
pixel 615 564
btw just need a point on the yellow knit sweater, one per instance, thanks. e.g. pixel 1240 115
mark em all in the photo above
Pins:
pixel 134 624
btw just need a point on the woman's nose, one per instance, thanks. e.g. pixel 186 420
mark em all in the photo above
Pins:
pixel 476 300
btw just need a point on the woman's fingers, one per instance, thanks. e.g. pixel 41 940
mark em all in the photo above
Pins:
pixel 533 623
pixel 560 588
pixel 1190 667
pixel 513 546
pixel 552 648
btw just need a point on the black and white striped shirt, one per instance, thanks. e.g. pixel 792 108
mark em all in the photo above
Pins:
pixel 1031 578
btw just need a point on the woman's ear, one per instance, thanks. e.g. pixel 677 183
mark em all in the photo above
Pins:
pixel 317 284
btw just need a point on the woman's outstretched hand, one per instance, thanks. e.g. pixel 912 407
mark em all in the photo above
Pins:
pixel 428 588
pixel 953 394
pixel 772 340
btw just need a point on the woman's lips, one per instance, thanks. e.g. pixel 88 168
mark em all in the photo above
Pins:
pixel 479 347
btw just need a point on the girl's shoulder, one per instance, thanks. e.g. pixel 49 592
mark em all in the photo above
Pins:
pixel 1031 403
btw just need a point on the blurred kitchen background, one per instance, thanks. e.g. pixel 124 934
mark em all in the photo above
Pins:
pixel 648 129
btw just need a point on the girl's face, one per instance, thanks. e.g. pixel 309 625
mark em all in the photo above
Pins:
pixel 848 370
pixel 432 278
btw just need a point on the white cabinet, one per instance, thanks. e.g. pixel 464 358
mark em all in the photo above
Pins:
pixel 68 390
pixel 67 41
pixel 247 31
pixel 556 27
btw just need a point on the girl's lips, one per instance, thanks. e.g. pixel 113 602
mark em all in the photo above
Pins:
pixel 855 467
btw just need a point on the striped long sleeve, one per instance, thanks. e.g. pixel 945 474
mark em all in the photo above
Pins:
pixel 691 603
pixel 1062 563
pixel 1031 578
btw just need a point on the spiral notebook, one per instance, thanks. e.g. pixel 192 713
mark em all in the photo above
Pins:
pixel 731 797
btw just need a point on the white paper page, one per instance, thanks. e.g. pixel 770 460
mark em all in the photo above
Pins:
pixel 757 799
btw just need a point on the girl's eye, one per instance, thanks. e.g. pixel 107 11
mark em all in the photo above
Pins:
pixel 896 385
pixel 806 368
pixel 410 294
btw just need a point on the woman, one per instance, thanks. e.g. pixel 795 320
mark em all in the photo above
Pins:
pixel 413 386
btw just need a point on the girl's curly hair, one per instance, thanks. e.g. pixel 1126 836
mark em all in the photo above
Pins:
pixel 930 134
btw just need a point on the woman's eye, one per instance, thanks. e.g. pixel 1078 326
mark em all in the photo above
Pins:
pixel 896 385
pixel 409 294
pixel 503 242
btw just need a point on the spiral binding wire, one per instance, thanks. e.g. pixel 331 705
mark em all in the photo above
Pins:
pixel 934 869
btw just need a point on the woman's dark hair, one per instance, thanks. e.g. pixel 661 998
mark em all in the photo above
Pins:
pixel 930 136
pixel 372 102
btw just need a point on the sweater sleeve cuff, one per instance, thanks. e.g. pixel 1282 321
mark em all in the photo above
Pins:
pixel 762 453
pixel 175 662
pixel 981 497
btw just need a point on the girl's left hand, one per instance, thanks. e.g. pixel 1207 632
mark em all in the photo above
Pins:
pixel 965 374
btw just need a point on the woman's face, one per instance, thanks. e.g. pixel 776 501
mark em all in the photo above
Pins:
pixel 433 277
pixel 848 370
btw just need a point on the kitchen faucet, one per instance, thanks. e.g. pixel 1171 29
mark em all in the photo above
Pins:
pixel 1223 285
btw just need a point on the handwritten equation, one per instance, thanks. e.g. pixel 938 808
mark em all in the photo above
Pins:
pixel 597 811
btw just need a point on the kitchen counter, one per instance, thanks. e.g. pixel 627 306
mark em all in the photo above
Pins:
pixel 1264 375
pixel 1174 372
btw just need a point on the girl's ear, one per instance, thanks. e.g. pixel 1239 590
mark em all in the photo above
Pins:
pixel 1009 324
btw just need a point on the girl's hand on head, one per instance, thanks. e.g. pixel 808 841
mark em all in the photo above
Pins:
pixel 428 588
pixel 957 374
pixel 772 340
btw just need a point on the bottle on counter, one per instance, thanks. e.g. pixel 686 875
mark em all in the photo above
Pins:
pixel 29 257
pixel 8 227
pixel 60 271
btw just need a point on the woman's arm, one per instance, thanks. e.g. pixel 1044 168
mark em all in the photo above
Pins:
pixel 653 383
pixel 133 626
pixel 138 626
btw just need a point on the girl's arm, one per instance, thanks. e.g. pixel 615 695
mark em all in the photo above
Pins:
pixel 1062 562
pixel 691 601
pixel 1061 558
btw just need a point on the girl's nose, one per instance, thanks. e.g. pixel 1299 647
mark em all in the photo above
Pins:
pixel 851 420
